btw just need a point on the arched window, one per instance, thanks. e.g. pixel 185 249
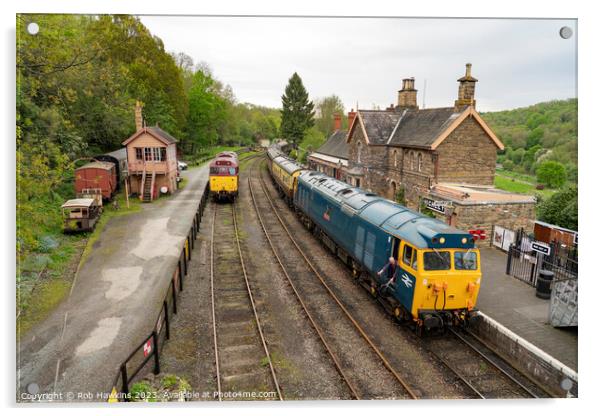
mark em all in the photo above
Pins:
pixel 411 160
pixel 359 152
pixel 395 158
pixel 419 162
pixel 393 190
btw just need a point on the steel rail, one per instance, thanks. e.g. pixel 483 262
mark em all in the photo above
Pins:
pixel 491 362
pixel 332 355
pixel 219 386
pixel 385 362
pixel 250 293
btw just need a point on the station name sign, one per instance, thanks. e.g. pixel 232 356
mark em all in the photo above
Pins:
pixel 437 206
pixel 540 247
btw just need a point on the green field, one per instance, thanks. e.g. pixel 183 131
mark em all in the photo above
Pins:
pixel 509 184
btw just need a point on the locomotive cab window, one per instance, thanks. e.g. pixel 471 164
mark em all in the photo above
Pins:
pixel 436 260
pixel 409 256
pixel 465 260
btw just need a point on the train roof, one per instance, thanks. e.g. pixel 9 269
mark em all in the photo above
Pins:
pixel 289 165
pixel 224 161
pixel 97 165
pixel 119 154
pixel 79 203
pixel 274 151
pixel 227 153
pixel 397 220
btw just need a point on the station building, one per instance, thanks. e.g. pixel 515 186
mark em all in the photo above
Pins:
pixel 441 160
pixel 152 160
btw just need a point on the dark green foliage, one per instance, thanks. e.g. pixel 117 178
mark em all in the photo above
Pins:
pixel 561 209
pixel 297 111
pixel 551 173
pixel 544 131
pixel 77 82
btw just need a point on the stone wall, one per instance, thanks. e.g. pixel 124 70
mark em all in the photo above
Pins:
pixel 511 216
pixel 468 155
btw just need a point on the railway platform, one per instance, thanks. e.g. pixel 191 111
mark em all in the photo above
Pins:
pixel 76 351
pixel 514 305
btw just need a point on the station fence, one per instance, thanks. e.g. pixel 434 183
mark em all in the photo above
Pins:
pixel 525 264
pixel 147 354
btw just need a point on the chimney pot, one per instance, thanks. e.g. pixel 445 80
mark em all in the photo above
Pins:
pixel 406 97
pixel 466 89
pixel 337 121
pixel 350 117
pixel 138 115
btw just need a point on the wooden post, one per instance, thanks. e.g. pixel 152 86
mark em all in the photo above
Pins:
pixel 127 193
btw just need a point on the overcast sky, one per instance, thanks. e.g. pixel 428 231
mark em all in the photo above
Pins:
pixel 517 62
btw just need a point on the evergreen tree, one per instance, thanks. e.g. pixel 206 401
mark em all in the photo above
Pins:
pixel 297 111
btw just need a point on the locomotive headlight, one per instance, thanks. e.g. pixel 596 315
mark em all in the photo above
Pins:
pixel 442 240
pixel 464 240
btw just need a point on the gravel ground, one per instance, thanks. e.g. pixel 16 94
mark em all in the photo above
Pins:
pixel 303 367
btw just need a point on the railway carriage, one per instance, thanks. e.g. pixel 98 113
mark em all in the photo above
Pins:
pixel 223 177
pixel 438 276
pixel 285 172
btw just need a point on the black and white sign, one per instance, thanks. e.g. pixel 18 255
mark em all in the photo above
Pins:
pixel 540 247
pixel 437 206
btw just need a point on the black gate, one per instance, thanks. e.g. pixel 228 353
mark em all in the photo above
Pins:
pixel 524 263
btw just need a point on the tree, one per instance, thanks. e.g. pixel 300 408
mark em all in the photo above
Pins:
pixel 326 109
pixel 297 111
pixel 561 209
pixel 551 173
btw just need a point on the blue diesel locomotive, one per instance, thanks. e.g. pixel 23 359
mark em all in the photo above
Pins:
pixel 438 272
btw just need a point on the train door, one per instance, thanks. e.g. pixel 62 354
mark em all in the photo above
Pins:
pixel 393 252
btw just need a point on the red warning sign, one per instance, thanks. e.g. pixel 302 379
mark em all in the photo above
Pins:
pixel 148 348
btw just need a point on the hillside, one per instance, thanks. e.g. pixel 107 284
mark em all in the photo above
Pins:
pixel 544 131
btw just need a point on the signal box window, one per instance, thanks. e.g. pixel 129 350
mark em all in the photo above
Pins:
pixel 437 260
pixel 465 261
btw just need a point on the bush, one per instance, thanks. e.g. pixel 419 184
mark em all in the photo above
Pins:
pixel 551 173
pixel 561 209
pixel 508 164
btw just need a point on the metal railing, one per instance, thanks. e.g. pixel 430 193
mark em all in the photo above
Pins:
pixel 150 348
pixel 525 264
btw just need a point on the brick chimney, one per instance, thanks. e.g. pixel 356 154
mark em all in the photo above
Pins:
pixel 337 121
pixel 466 89
pixel 406 96
pixel 138 115
pixel 351 117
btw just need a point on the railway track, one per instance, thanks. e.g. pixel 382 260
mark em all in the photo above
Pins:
pixel 480 370
pixel 348 364
pixel 242 357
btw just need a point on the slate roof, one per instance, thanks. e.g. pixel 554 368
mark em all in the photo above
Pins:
pixel 165 135
pixel 379 124
pixel 420 128
pixel 408 127
pixel 336 145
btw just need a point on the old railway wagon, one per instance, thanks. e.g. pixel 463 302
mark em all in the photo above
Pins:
pixel 285 172
pixel 103 175
pixel 223 177
pixel 100 176
pixel 438 276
